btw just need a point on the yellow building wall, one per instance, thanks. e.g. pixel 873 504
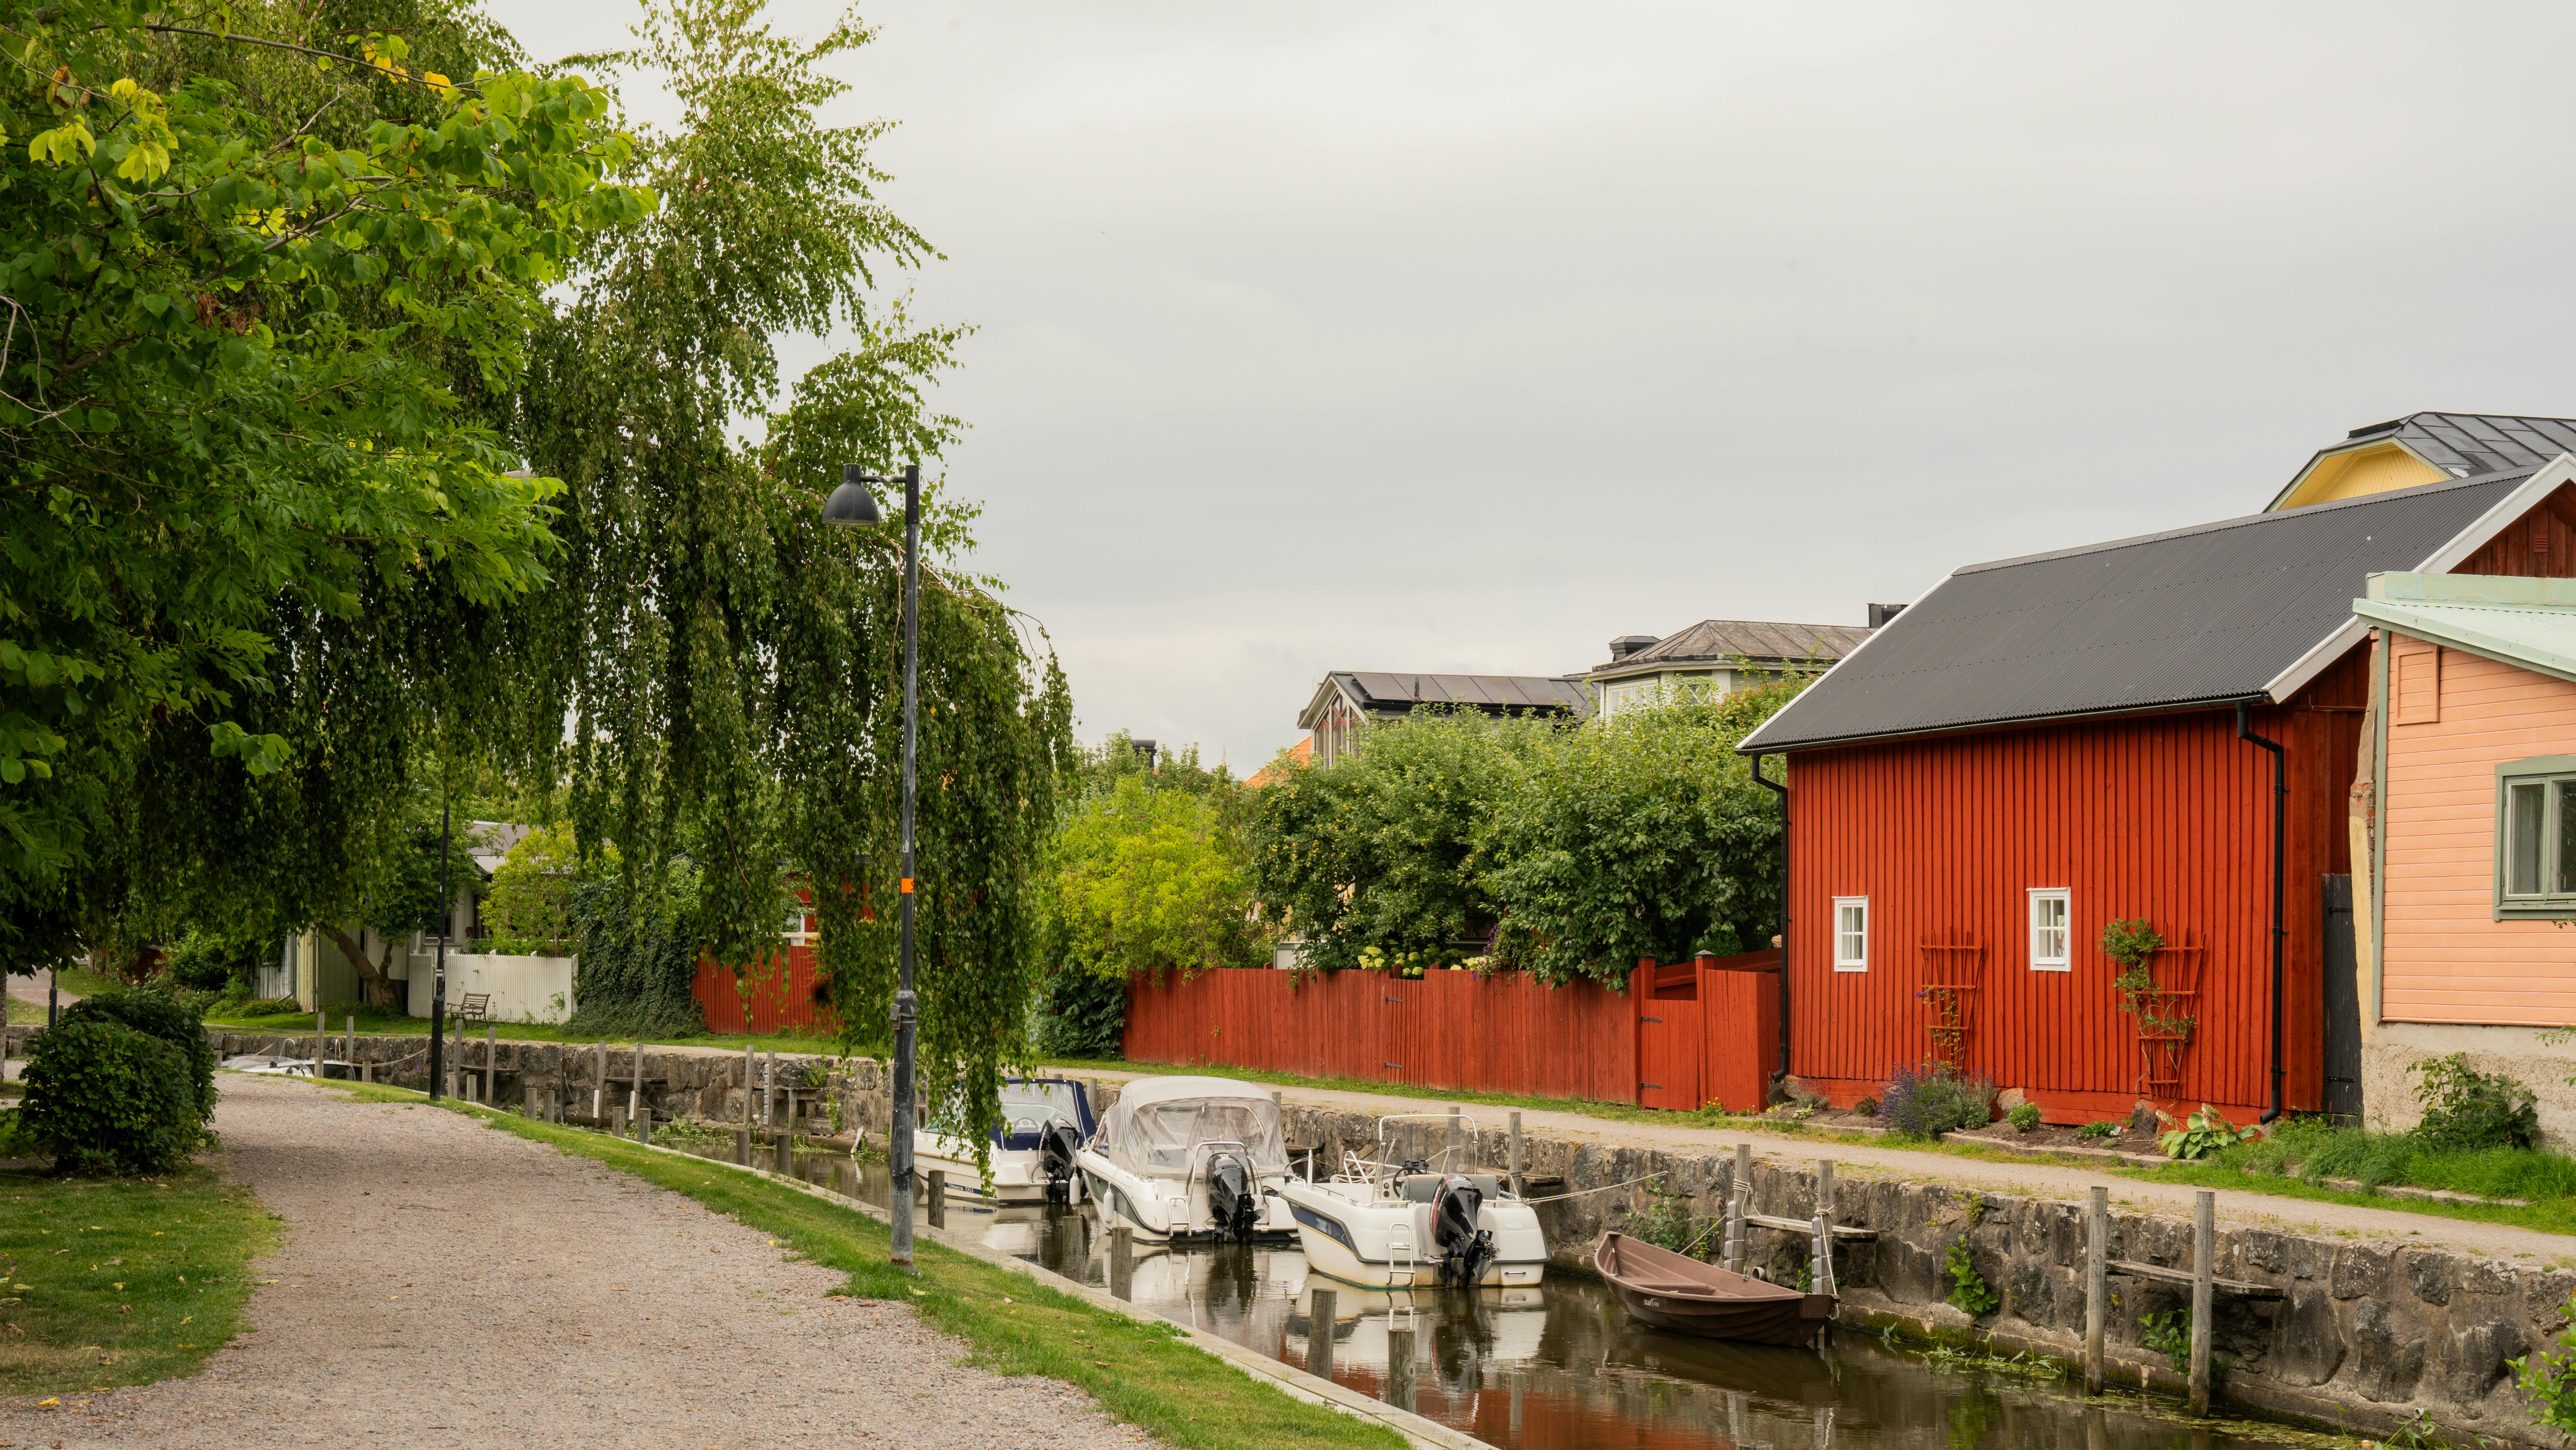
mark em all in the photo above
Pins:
pixel 2359 473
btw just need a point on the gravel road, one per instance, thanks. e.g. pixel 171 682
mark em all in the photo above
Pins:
pixel 440 1283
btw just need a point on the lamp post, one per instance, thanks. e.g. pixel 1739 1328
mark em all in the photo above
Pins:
pixel 438 979
pixel 851 505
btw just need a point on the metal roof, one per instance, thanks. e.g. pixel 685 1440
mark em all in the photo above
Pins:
pixel 2196 616
pixel 1383 692
pixel 2461 444
pixel 2539 637
pixel 1751 639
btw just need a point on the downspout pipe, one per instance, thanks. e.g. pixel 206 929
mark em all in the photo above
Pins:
pixel 1781 789
pixel 2280 932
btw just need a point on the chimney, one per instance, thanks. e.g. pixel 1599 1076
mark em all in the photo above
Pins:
pixel 1628 644
pixel 1145 748
pixel 1880 614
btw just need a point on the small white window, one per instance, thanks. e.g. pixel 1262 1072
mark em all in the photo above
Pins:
pixel 2051 910
pixel 1851 933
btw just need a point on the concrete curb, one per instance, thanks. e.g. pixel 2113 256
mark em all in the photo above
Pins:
pixel 1287 1378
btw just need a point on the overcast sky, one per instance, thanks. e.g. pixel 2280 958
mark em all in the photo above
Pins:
pixel 1466 337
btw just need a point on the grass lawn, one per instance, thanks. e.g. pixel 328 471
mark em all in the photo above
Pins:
pixel 120 1281
pixel 378 1022
pixel 2547 1178
pixel 1142 1373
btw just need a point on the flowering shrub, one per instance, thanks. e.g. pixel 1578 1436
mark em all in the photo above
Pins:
pixel 1923 1102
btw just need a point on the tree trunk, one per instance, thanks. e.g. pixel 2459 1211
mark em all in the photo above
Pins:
pixel 375 979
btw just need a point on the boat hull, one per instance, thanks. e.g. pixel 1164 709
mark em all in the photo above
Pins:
pixel 1363 1243
pixel 1162 1210
pixel 1670 1292
pixel 1018 1175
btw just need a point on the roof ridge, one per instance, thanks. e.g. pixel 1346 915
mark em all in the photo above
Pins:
pixel 2474 480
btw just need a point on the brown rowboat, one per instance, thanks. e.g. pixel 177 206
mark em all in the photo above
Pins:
pixel 1670 1291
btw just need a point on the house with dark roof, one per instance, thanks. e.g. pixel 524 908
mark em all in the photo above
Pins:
pixel 2425 448
pixel 1350 699
pixel 1716 657
pixel 2158 732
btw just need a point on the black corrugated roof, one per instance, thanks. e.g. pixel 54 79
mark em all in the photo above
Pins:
pixel 1382 691
pixel 2201 615
pixel 1749 639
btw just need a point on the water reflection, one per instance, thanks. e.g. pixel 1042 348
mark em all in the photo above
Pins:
pixel 1561 1366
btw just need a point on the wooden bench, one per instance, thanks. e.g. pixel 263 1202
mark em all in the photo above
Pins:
pixel 472 1007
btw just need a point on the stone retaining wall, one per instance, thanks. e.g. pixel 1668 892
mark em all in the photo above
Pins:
pixel 2367 1336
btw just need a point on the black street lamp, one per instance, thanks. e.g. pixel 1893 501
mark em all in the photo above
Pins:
pixel 438 981
pixel 852 505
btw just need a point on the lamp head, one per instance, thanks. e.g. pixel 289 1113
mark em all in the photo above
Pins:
pixel 851 504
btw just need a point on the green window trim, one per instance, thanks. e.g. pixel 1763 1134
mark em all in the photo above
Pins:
pixel 2534 875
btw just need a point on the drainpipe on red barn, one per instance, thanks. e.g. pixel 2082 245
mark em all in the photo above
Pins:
pixel 2280 932
pixel 1781 789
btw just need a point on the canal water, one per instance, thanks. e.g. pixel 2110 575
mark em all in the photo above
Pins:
pixel 1561 1367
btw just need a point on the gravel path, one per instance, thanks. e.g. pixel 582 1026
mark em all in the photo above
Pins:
pixel 2068 1182
pixel 440 1283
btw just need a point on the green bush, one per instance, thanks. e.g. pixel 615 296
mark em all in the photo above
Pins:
pixel 157 1014
pixel 1084 1018
pixel 2024 1116
pixel 1927 1101
pixel 103 1097
pixel 208 961
pixel 2468 1109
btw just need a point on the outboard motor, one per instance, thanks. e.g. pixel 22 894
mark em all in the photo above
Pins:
pixel 1465 1249
pixel 1056 1147
pixel 1234 1197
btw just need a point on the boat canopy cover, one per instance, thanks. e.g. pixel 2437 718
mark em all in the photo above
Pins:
pixel 1156 1122
pixel 1034 1100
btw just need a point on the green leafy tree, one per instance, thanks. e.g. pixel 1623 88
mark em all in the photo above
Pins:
pixel 1638 836
pixel 530 904
pixel 731 667
pixel 263 270
pixel 1375 859
pixel 1149 880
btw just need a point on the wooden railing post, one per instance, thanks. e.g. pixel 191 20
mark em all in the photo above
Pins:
pixel 2097 1284
pixel 2204 1271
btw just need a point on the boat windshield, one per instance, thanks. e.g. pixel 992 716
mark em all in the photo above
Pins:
pixel 1162 1135
pixel 1026 1099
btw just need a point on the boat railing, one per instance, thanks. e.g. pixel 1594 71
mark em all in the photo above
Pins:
pixel 1199 1155
pixel 1460 1119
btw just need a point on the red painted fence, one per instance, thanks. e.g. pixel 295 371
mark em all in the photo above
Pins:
pixel 780 1001
pixel 1681 1036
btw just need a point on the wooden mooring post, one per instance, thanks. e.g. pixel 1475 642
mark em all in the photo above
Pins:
pixel 2204 1284
pixel 635 1094
pixel 1399 1362
pixel 491 1058
pixel 1516 1155
pixel 1739 1197
pixel 1122 1262
pixel 1319 1333
pixel 599 1088
pixel 1820 1269
pixel 2097 1284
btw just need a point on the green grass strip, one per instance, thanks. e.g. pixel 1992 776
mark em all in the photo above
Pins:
pixel 120 1281
pixel 1142 1372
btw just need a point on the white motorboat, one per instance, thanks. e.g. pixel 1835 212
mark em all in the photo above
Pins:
pixel 1044 1123
pixel 1381 1223
pixel 1190 1159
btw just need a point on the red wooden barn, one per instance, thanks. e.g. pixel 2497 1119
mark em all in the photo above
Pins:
pixel 2042 745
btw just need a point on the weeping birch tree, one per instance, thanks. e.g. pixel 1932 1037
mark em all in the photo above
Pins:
pixel 732 668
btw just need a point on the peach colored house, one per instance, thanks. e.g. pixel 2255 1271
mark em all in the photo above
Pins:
pixel 2470 760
